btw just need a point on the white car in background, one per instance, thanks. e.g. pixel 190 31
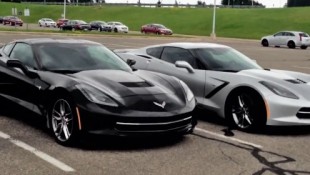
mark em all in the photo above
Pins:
pixel 46 22
pixel 118 27
pixel 291 39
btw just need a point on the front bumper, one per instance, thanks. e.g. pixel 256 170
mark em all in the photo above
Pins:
pixel 288 112
pixel 98 120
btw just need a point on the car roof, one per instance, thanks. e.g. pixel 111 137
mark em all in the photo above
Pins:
pixel 189 45
pixel 292 31
pixel 51 40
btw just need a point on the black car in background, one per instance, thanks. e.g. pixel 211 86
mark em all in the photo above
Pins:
pixel 75 25
pixel 100 26
pixel 81 86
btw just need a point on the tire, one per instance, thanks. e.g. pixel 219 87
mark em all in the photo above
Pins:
pixel 265 43
pixel 245 110
pixel 40 25
pixel 303 47
pixel 63 120
pixel 115 30
pixel 291 45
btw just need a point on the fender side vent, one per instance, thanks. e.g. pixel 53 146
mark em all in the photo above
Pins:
pixel 136 84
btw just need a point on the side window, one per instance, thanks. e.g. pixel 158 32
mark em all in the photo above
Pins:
pixel 173 54
pixel 23 52
pixel 279 34
pixel 7 49
pixel 155 52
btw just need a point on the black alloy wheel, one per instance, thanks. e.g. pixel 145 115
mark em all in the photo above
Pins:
pixel 291 45
pixel 265 43
pixel 303 47
pixel 63 120
pixel 245 110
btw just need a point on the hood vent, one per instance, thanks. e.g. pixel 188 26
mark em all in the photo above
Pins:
pixel 136 84
pixel 296 81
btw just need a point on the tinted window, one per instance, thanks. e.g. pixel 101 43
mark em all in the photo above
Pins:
pixel 279 34
pixel 155 52
pixel 173 54
pixel 225 59
pixel 23 52
pixel 303 35
pixel 78 57
pixel 7 49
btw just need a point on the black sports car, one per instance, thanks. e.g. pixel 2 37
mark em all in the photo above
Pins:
pixel 79 86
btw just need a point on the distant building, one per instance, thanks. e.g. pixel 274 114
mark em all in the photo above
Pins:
pixel 298 3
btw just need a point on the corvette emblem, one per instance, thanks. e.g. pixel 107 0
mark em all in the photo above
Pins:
pixel 160 105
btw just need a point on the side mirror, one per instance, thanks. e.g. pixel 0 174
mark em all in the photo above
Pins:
pixel 131 62
pixel 17 64
pixel 184 64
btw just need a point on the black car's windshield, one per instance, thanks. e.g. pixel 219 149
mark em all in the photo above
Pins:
pixel 225 59
pixel 70 57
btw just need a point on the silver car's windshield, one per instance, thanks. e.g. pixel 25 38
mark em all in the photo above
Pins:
pixel 78 57
pixel 225 59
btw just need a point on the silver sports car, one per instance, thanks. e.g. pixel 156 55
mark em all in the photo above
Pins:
pixel 229 83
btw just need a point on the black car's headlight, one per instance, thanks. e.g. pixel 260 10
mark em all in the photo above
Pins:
pixel 189 94
pixel 281 91
pixel 95 95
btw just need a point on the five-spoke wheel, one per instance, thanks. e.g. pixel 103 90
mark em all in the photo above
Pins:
pixel 63 122
pixel 246 110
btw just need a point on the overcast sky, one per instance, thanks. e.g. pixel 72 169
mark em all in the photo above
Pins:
pixel 267 3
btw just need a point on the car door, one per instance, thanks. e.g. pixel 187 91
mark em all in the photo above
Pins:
pixel 166 65
pixel 279 39
pixel 15 85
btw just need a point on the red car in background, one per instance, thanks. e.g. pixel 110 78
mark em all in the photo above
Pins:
pixel 12 20
pixel 61 22
pixel 158 29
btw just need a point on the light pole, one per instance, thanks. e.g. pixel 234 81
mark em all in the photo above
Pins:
pixel 64 15
pixel 213 35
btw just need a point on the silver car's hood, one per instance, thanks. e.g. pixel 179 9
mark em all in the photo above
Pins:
pixel 296 82
pixel 267 74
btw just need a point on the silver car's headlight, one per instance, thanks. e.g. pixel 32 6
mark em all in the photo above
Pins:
pixel 189 94
pixel 95 95
pixel 281 91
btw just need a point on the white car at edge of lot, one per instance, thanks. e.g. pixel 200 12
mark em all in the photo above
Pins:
pixel 291 39
pixel 46 22
pixel 118 27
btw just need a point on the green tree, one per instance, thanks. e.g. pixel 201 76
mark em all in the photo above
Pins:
pixel 298 3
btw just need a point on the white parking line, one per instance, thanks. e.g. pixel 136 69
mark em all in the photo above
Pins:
pixel 227 138
pixel 38 153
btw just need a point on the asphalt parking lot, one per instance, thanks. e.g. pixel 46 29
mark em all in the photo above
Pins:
pixel 27 148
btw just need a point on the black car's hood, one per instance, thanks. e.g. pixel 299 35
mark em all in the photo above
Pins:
pixel 118 83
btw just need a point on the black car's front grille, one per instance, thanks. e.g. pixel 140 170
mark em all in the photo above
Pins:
pixel 154 124
pixel 303 113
